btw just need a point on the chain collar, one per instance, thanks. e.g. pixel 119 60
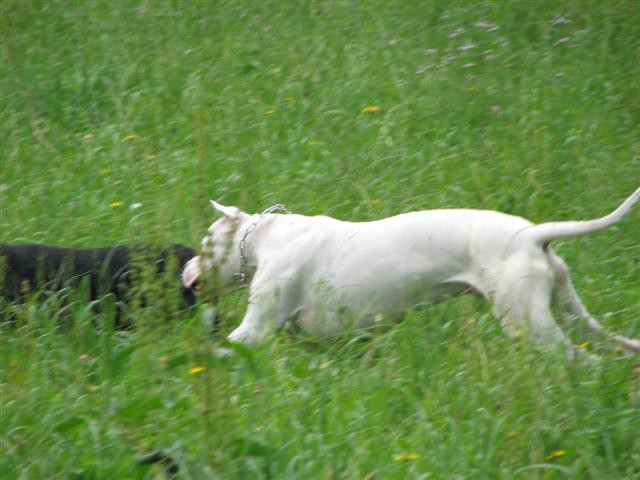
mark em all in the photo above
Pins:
pixel 242 274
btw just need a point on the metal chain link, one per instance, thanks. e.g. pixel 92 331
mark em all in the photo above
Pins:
pixel 242 274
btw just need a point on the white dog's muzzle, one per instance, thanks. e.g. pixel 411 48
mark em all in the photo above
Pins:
pixel 191 272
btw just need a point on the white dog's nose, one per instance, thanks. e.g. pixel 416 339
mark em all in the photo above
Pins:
pixel 191 272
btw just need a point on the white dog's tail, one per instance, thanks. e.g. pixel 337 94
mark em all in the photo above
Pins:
pixel 547 232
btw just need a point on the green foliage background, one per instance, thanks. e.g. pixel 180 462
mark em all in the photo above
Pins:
pixel 526 107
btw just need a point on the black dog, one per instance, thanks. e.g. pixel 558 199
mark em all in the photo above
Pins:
pixel 33 268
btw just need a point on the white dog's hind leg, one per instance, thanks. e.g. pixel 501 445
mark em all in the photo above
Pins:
pixel 523 304
pixel 569 301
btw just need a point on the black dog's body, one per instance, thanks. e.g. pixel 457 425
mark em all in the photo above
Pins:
pixel 31 268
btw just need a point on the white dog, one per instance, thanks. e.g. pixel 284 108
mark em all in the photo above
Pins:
pixel 328 275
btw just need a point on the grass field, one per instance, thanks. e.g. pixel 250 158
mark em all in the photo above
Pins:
pixel 121 119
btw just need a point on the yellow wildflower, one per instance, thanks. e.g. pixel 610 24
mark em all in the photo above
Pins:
pixel 405 457
pixel 584 344
pixel 370 109
pixel 556 454
pixel 196 370
pixel 116 204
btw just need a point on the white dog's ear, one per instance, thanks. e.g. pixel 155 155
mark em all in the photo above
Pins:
pixel 226 211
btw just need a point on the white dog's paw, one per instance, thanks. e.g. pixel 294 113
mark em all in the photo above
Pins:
pixel 222 352
pixel 629 346
pixel 633 345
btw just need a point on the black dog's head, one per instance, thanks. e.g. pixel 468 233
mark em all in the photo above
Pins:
pixel 35 267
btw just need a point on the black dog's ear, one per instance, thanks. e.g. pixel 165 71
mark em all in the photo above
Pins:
pixel 226 211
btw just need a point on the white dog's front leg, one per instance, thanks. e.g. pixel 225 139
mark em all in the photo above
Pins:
pixel 271 302
pixel 256 325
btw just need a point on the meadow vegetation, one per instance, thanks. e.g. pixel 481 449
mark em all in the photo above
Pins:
pixel 121 119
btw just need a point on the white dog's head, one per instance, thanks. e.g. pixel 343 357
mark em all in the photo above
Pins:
pixel 219 257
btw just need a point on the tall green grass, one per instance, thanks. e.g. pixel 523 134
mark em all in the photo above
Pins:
pixel 528 108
